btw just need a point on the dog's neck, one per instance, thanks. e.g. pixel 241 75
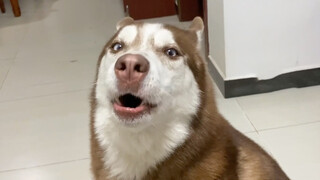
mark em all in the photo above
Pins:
pixel 130 153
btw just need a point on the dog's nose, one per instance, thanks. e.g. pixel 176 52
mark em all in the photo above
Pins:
pixel 131 69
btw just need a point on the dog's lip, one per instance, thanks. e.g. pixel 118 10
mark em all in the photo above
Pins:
pixel 131 112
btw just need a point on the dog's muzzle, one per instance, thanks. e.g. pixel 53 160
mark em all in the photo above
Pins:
pixel 130 70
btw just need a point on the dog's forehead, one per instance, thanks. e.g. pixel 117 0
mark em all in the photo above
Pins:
pixel 147 33
pixel 128 33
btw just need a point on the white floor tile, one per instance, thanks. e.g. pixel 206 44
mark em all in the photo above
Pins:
pixel 66 28
pixel 282 108
pixel 26 8
pixel 172 20
pixel 11 38
pixel 30 77
pixel 75 170
pixel 44 130
pixel 4 69
pixel 297 149
pixel 233 113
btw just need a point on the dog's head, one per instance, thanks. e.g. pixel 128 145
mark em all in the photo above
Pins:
pixel 148 72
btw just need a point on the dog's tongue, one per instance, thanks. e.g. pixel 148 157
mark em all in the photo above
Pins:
pixel 129 113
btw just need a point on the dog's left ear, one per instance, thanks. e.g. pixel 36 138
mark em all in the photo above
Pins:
pixel 197 27
pixel 124 22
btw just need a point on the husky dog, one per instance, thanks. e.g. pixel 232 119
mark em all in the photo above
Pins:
pixel 154 114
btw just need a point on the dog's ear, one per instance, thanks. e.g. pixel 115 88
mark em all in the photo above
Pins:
pixel 124 22
pixel 197 27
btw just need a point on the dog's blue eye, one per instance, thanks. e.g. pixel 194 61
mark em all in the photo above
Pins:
pixel 172 52
pixel 116 46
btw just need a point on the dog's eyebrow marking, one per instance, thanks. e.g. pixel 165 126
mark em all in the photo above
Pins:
pixel 147 33
pixel 128 34
pixel 164 38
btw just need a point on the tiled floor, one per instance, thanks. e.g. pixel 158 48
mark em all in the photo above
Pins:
pixel 47 65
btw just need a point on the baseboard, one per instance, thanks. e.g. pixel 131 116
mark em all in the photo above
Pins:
pixel 242 87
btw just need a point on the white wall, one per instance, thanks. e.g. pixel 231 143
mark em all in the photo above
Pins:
pixel 216 34
pixel 265 38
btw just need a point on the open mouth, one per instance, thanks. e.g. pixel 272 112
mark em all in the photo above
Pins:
pixel 129 106
pixel 130 101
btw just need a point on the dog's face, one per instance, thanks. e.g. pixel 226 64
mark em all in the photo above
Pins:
pixel 144 73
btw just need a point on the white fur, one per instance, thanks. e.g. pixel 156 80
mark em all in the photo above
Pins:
pixel 132 149
pixel 128 34
pixel 163 38
pixel 147 32
pixel 199 38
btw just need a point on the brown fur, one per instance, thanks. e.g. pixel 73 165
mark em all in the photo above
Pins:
pixel 214 149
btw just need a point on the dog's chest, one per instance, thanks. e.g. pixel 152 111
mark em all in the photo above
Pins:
pixel 129 154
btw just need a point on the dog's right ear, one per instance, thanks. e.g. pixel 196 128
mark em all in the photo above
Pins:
pixel 124 22
pixel 197 26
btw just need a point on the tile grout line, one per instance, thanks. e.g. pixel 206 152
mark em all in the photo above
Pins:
pixel 6 76
pixel 44 165
pixel 245 114
pixel 249 132
pixel 266 145
pixel 292 125
pixel 267 129
pixel 15 56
